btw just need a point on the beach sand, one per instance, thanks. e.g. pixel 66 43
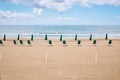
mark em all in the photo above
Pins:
pixel 42 61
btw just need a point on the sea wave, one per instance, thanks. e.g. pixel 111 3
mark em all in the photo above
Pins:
pixel 57 35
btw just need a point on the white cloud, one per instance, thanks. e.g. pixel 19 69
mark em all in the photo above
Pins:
pixel 61 19
pixel 63 5
pixel 59 0
pixel 37 11
pixel 9 17
pixel 14 15
pixel 67 19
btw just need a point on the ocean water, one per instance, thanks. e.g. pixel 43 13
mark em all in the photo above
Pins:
pixel 54 31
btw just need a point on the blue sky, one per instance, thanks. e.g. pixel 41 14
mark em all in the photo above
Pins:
pixel 60 12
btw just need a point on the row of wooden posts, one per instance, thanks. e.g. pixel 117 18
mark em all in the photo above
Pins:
pixel 50 41
pixel 46 37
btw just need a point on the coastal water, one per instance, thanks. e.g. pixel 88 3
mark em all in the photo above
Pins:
pixel 54 31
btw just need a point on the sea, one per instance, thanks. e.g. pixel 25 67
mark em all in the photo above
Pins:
pixel 54 31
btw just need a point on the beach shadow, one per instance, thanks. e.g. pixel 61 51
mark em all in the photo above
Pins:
pixel 50 45
pixel 27 45
pixel 109 45
pixel 79 45
pixel 64 45
pixel 2 45
pixel 22 45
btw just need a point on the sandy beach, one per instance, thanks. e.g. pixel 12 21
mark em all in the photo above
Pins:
pixel 41 61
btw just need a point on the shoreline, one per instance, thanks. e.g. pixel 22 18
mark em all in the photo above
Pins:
pixel 69 36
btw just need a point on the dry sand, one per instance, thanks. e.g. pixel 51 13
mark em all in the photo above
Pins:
pixel 41 61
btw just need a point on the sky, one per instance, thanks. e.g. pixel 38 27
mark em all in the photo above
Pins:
pixel 59 12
